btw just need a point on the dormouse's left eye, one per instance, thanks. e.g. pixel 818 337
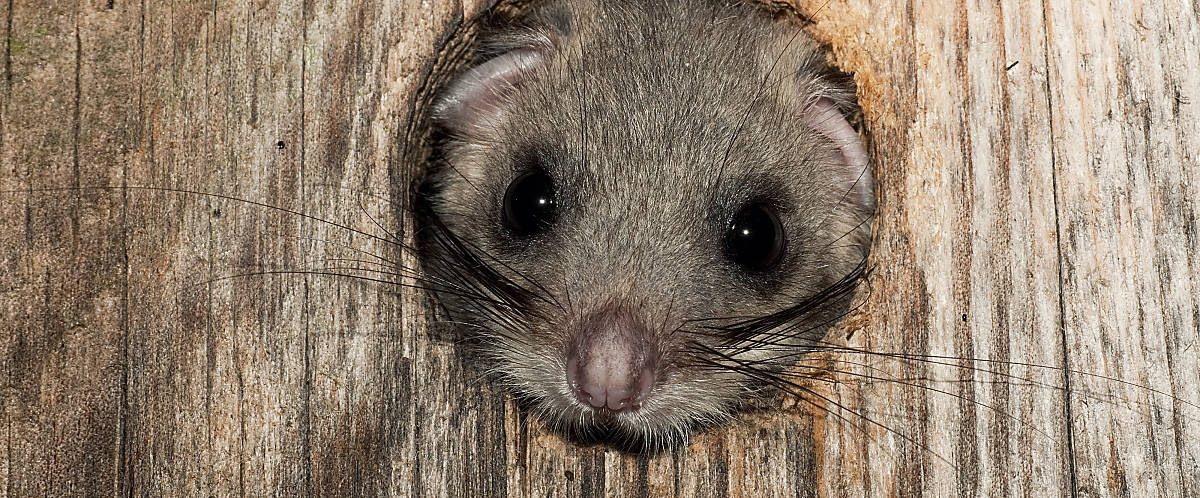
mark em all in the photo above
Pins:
pixel 529 205
pixel 755 240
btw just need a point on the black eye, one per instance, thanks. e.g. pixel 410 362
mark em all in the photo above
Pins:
pixel 529 203
pixel 755 239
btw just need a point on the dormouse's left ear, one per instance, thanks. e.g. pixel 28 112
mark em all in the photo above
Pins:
pixel 823 116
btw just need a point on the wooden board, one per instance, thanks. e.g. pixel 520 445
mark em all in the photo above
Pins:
pixel 1031 326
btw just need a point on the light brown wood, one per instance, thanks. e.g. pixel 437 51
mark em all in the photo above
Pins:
pixel 1039 206
pixel 1035 271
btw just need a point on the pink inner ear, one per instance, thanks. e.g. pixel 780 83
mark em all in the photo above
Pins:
pixel 475 99
pixel 824 117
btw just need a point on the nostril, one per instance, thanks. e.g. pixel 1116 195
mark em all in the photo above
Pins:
pixel 604 385
pixel 611 363
pixel 585 389
pixel 645 382
pixel 593 394
pixel 631 395
pixel 586 392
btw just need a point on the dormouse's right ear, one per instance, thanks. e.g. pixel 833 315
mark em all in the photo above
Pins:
pixel 477 100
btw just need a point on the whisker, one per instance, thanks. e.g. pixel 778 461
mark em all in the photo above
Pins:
pixel 934 389
pixel 945 360
pixel 791 386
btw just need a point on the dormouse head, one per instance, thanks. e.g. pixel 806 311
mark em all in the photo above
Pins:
pixel 646 210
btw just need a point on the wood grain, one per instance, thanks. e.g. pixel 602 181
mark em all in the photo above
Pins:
pixel 1031 326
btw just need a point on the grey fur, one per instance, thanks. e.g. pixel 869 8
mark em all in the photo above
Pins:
pixel 656 120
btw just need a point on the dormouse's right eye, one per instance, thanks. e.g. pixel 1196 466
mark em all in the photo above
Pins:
pixel 529 203
pixel 755 238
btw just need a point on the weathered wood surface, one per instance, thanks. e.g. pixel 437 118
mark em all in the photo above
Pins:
pixel 1039 187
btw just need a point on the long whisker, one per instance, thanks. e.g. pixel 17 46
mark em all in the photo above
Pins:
pixel 742 368
pixel 945 360
pixel 467 254
pixel 925 387
pixel 290 211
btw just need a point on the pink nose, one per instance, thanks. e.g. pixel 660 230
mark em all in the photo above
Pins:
pixel 611 365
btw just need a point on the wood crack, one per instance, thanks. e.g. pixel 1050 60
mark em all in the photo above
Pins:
pixel 1066 366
